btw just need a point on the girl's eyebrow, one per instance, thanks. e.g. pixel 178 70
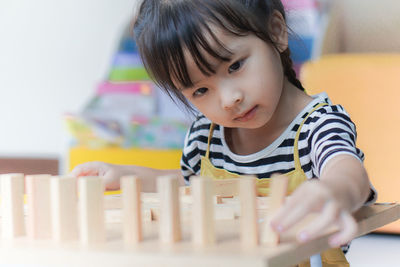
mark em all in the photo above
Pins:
pixel 214 66
pixel 183 88
pixel 191 87
pixel 233 49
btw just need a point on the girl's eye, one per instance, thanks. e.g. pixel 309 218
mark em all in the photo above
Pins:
pixel 235 66
pixel 200 92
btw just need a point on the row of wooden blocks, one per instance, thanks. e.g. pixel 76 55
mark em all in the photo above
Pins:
pixel 55 210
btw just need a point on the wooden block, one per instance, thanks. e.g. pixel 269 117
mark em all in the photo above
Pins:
pixel 112 202
pixel 278 189
pixel 150 198
pixel 224 212
pixel 12 205
pixel 249 233
pixel 155 214
pixel 221 212
pixel 39 218
pixel 184 191
pixel 146 215
pixel 226 187
pixel 221 199
pixel 169 221
pixel 262 203
pixel 64 208
pixel 150 214
pixel 91 210
pixel 203 224
pixel 218 199
pixel 131 209
pixel 279 185
pixel 227 253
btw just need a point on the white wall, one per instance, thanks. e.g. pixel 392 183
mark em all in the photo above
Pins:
pixel 52 54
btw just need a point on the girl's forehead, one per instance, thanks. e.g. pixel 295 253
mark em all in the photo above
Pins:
pixel 221 39
pixel 220 42
pixel 194 72
pixel 201 51
pixel 225 47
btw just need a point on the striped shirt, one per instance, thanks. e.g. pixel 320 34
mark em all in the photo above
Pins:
pixel 327 132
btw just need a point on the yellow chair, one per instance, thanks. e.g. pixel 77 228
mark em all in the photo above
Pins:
pixel 368 86
pixel 362 26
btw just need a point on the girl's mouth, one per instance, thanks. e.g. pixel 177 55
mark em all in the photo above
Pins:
pixel 248 115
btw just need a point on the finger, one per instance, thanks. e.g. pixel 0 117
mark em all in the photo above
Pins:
pixel 329 215
pixel 301 195
pixel 288 215
pixel 348 230
pixel 112 180
pixel 85 169
pixel 77 171
pixel 281 213
pixel 290 203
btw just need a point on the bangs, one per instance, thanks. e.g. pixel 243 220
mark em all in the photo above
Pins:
pixel 195 40
pixel 185 28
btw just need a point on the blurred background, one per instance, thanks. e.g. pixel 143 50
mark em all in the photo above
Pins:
pixel 53 54
pixel 69 71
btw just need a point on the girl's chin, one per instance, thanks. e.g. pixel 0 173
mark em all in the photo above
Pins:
pixel 248 125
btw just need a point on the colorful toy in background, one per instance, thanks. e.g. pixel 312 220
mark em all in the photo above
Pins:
pixel 93 133
pixel 127 67
pixel 128 110
pixel 156 132
pixel 304 19
pixel 122 100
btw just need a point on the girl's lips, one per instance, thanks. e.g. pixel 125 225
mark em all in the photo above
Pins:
pixel 248 115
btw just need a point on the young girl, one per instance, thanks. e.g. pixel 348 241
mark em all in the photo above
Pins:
pixel 230 60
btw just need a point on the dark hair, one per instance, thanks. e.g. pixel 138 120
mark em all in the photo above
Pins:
pixel 164 29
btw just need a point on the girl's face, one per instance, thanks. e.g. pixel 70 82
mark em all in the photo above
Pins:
pixel 245 91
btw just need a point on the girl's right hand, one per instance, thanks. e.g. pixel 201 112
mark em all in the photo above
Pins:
pixel 110 172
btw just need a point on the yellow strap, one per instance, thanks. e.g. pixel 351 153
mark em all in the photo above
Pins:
pixel 296 156
pixel 212 126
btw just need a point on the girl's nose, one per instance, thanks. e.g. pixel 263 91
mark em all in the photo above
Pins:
pixel 231 97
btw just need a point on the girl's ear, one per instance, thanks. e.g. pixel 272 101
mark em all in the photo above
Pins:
pixel 278 29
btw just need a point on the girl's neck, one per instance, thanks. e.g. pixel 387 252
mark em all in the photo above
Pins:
pixel 244 141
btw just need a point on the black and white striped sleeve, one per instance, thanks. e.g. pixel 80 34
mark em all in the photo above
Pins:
pixel 194 147
pixel 332 133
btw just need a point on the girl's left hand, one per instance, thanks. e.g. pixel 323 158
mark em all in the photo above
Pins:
pixel 314 196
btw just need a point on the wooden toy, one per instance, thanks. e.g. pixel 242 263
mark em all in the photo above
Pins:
pixel 123 237
pixel 38 195
pixel 12 206
pixel 203 232
pixel 132 213
pixel 184 190
pixel 91 210
pixel 170 226
pixel 249 233
pixel 64 208
pixel 226 187
pixel 279 185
